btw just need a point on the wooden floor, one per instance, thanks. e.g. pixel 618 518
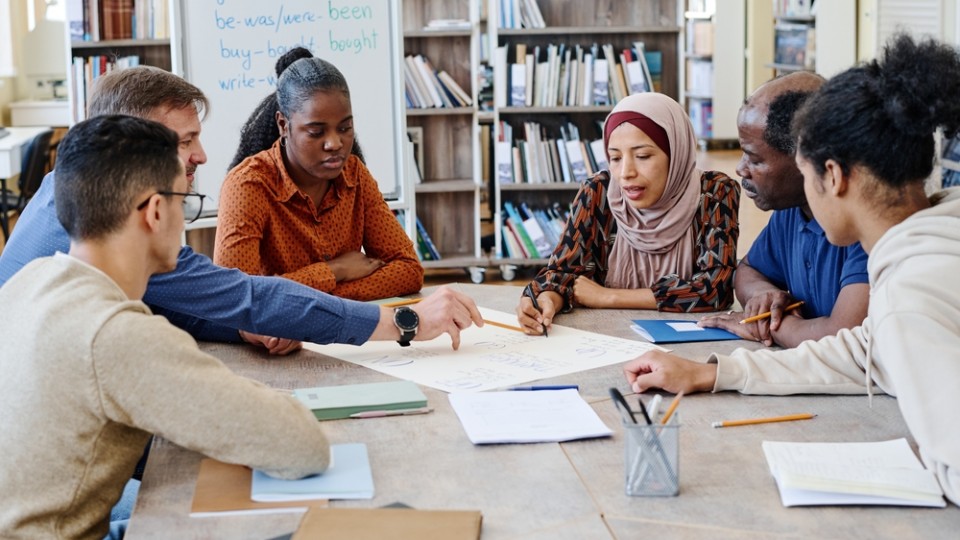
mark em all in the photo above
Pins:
pixel 752 221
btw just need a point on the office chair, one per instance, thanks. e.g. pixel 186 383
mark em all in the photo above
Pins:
pixel 36 156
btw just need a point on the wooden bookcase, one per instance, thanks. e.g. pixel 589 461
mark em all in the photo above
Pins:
pixel 448 195
pixel 714 68
pixel 618 22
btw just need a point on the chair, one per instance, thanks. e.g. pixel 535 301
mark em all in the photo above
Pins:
pixel 36 156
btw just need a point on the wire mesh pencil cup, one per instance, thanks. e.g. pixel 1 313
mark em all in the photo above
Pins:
pixel 652 459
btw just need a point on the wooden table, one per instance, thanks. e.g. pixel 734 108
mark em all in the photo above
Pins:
pixel 570 490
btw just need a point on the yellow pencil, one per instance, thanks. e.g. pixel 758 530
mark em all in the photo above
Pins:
pixel 786 418
pixel 399 303
pixel 671 408
pixel 762 316
pixel 501 325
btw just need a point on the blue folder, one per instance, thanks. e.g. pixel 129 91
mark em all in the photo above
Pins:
pixel 678 331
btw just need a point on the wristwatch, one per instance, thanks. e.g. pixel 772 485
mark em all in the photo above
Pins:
pixel 408 322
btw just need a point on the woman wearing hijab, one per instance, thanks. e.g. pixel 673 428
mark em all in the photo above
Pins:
pixel 653 232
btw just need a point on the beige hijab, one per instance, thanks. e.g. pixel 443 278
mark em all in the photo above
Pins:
pixel 659 240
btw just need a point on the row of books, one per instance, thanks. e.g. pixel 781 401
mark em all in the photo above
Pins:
pixel 541 158
pixel 794 8
pixel 86 71
pixel 701 116
pixel 795 45
pixel 519 14
pixel 700 77
pixel 425 248
pixel 531 233
pixel 96 20
pixel 571 75
pixel 427 88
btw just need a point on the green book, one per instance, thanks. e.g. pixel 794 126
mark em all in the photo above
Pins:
pixel 335 402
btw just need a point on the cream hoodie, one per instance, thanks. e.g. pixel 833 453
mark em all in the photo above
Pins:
pixel 909 345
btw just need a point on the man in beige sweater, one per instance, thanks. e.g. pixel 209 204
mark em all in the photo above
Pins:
pixel 90 373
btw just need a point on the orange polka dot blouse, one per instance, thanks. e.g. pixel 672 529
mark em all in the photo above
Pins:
pixel 268 226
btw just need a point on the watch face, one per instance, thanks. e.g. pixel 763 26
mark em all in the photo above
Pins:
pixel 407 319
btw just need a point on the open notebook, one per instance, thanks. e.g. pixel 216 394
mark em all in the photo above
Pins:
pixel 879 473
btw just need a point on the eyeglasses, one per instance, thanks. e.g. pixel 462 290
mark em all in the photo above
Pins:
pixel 191 210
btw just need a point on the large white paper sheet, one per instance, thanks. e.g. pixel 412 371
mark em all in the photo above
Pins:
pixel 490 357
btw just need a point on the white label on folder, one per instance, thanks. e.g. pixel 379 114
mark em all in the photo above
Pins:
pixel 685 327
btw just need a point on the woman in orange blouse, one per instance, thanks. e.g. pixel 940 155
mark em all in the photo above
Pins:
pixel 653 232
pixel 303 206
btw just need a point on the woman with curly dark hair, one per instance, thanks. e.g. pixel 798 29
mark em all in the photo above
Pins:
pixel 300 203
pixel 865 147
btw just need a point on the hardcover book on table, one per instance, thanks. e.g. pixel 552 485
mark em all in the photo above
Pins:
pixel 335 402
pixel 670 331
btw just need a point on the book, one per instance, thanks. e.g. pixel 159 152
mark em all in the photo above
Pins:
pixel 348 477
pixel 678 331
pixel 526 417
pixel 876 473
pixel 223 489
pixel 334 402
pixel 378 523
pixel 428 242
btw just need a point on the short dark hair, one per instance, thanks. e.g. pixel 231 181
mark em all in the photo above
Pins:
pixel 104 164
pixel 882 115
pixel 138 91
pixel 783 108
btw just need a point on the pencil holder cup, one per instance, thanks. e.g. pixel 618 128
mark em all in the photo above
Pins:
pixel 653 459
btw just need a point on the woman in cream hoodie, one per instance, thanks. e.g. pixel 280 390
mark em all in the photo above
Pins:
pixel 865 146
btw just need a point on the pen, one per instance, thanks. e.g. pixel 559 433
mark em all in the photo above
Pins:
pixel 671 409
pixel 395 412
pixel 399 303
pixel 787 418
pixel 528 290
pixel 765 315
pixel 547 387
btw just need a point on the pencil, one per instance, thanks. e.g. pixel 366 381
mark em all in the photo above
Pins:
pixel 399 303
pixel 763 316
pixel 501 325
pixel 671 409
pixel 533 298
pixel 786 418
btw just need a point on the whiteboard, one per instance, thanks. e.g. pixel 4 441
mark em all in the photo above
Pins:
pixel 228 48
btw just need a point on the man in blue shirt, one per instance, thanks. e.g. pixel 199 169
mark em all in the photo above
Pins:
pixel 215 303
pixel 791 260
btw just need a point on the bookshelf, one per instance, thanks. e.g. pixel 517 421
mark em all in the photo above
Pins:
pixel 619 24
pixel 802 28
pixel 449 192
pixel 714 44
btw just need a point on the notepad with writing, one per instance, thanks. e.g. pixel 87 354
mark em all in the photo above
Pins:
pixel 348 477
pixel 677 331
pixel 380 523
pixel 334 402
pixel 876 473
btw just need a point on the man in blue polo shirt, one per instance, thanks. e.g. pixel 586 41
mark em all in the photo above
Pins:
pixel 214 303
pixel 791 260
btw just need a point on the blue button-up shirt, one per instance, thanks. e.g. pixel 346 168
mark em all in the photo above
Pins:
pixel 208 301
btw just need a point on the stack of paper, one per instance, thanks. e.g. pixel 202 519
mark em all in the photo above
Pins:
pixel 881 473
pixel 527 417
pixel 333 402
pixel 348 477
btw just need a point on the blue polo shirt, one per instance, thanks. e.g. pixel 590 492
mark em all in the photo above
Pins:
pixel 794 254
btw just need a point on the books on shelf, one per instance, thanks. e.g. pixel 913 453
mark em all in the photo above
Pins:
pixel 701 116
pixel 86 71
pixel 794 45
pixel 425 87
pixel 426 249
pixel 564 75
pixel 519 14
pixel 348 477
pixel 543 157
pixel 102 20
pixel 531 232
pixel 336 402
pixel 877 473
